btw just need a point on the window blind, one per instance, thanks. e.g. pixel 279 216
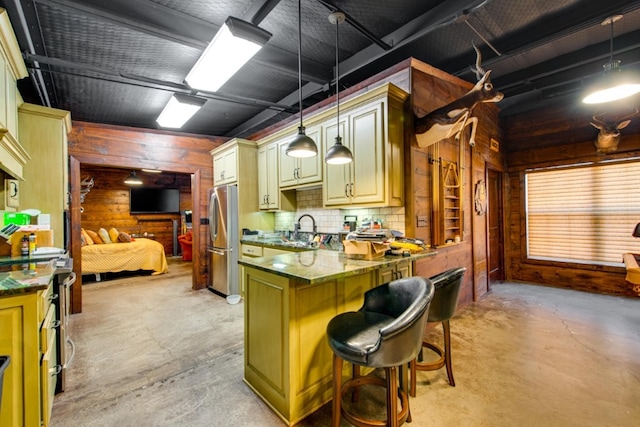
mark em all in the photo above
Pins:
pixel 583 214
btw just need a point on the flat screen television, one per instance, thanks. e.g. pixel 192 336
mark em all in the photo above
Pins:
pixel 154 200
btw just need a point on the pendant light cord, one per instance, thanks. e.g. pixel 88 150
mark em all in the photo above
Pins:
pixel 300 60
pixel 337 82
pixel 611 43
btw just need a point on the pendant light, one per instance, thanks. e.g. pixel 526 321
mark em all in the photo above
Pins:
pixel 301 145
pixel 338 154
pixel 133 179
pixel 614 85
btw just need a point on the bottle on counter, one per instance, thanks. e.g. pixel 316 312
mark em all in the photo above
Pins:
pixel 32 244
pixel 24 246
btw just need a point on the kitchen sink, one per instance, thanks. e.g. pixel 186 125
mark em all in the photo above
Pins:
pixel 298 244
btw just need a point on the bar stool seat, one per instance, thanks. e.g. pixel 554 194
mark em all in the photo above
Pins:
pixel 386 332
pixel 443 307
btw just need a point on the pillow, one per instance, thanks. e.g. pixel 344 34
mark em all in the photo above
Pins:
pixel 86 239
pixel 124 237
pixel 113 235
pixel 94 236
pixel 104 235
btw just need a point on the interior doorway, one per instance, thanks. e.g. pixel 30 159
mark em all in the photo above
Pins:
pixel 495 226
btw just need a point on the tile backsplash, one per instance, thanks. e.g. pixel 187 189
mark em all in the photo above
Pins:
pixel 331 220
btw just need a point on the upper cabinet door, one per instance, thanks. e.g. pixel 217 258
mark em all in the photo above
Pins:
pixel 367 146
pixel 337 178
pixel 301 171
pixel 310 168
pixel 225 167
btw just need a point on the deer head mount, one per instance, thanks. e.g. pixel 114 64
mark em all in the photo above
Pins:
pixel 451 119
pixel 609 135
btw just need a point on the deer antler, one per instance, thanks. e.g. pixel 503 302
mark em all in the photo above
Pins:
pixel 628 116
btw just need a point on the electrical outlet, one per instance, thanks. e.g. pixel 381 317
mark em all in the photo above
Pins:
pixel 421 221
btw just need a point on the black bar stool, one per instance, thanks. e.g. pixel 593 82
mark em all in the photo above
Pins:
pixel 443 307
pixel 385 333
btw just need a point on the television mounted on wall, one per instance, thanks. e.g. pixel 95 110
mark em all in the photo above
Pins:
pixel 154 200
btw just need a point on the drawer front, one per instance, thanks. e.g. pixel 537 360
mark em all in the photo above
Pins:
pixel 44 302
pixel 48 328
pixel 251 250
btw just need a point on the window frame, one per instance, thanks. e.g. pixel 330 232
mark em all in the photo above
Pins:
pixel 597 264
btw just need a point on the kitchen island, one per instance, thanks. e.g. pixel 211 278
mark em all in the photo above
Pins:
pixel 289 300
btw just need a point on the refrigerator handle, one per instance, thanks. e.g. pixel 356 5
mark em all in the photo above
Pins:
pixel 213 216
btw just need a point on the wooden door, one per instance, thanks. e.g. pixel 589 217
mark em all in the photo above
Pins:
pixel 494 226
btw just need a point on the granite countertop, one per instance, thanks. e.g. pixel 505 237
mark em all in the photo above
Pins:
pixel 320 265
pixel 20 280
pixel 278 243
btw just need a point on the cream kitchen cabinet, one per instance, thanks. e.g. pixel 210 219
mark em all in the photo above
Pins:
pixel 13 156
pixel 372 126
pixel 225 167
pixel 43 133
pixel 28 335
pixel 268 197
pixel 295 172
pixel 396 271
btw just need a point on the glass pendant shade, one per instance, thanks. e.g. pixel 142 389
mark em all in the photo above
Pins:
pixel 302 145
pixel 338 154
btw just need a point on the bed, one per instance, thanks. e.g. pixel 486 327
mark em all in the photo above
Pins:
pixel 139 254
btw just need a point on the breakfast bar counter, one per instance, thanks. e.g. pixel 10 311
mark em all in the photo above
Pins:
pixel 289 300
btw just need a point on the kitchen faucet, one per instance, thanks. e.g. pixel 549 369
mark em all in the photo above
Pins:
pixel 296 226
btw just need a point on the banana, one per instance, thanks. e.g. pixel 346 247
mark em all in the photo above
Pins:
pixel 405 245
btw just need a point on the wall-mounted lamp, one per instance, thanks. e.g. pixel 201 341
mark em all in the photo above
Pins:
pixel 301 145
pixel 132 179
pixel 614 84
pixel 338 154
pixel 178 110
pixel 232 46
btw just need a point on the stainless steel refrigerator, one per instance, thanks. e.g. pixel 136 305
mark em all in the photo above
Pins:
pixel 224 244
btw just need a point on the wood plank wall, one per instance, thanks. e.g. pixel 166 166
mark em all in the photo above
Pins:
pixel 132 148
pixel 107 204
pixel 552 137
pixel 431 89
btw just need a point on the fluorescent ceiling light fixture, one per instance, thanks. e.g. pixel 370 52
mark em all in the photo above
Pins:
pixel 232 46
pixel 614 84
pixel 178 110
pixel 132 179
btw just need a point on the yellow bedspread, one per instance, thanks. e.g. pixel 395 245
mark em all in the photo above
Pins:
pixel 140 254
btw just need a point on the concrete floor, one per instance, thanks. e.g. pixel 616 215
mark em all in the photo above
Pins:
pixel 152 352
